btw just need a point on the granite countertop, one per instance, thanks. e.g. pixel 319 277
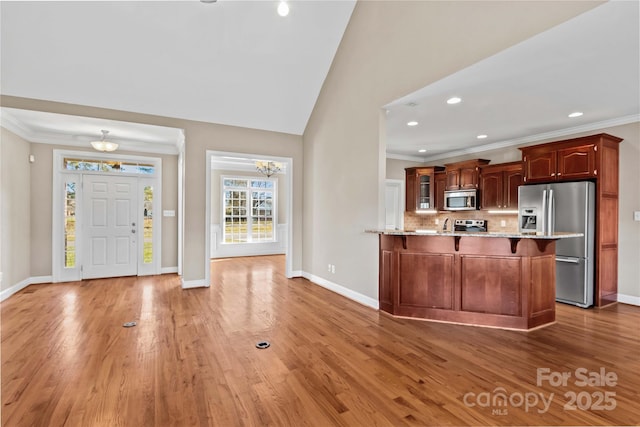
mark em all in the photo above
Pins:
pixel 509 235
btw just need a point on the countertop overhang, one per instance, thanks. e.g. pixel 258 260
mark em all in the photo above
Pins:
pixel 490 234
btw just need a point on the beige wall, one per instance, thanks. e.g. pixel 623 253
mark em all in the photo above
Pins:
pixel 200 137
pixel 389 49
pixel 395 168
pixel 15 184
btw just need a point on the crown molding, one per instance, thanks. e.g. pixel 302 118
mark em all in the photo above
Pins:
pixel 396 156
pixel 9 122
pixel 538 137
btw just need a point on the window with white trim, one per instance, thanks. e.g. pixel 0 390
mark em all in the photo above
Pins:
pixel 248 210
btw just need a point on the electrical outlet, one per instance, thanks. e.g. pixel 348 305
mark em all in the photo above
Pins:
pixel 333 269
pixel 437 221
pixel 636 216
pixel 329 268
pixel 503 223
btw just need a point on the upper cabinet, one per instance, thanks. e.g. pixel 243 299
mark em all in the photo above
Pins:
pixel 463 175
pixel 420 185
pixel 440 186
pixel 499 185
pixel 568 161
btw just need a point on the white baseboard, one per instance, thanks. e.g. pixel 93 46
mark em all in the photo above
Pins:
pixel 628 299
pixel 15 288
pixel 345 292
pixel 297 273
pixel 168 270
pixel 190 284
pixel 41 279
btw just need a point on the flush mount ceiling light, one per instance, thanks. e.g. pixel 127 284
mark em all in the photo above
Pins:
pixel 483 136
pixel 575 114
pixel 422 150
pixel 283 8
pixel 103 144
pixel 454 100
pixel 268 168
pixel 412 123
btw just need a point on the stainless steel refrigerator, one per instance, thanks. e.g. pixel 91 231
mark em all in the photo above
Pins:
pixel 567 207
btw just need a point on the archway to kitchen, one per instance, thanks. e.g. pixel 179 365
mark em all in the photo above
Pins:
pixel 247 212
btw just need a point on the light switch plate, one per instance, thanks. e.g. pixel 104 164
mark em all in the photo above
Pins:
pixel 168 213
pixel 636 216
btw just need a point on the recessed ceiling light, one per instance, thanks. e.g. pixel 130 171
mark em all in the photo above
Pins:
pixel 422 150
pixel 576 114
pixel 453 100
pixel 412 123
pixel 481 136
pixel 283 8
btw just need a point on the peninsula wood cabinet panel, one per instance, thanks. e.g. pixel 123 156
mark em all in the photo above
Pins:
pixel 426 280
pixel 478 280
pixel 596 158
pixel 491 284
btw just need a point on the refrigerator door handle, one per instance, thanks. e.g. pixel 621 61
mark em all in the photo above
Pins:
pixel 543 215
pixel 570 260
pixel 550 215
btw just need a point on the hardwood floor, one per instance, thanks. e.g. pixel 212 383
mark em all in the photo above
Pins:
pixel 192 360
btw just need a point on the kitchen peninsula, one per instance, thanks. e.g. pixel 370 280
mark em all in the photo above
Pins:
pixel 504 280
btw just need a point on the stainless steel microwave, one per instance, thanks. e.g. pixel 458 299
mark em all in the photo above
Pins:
pixel 461 200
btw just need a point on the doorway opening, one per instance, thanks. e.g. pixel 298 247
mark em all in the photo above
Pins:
pixel 247 212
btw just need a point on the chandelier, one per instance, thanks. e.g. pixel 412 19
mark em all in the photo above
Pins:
pixel 268 168
pixel 103 144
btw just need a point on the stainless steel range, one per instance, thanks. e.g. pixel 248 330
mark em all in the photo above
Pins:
pixel 471 225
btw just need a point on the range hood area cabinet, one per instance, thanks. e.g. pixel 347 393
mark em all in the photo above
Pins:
pixel 420 183
pixel 499 185
pixel 596 158
pixel 464 175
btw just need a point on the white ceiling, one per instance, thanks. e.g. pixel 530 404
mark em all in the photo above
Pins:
pixel 523 94
pixel 239 63
pixel 230 62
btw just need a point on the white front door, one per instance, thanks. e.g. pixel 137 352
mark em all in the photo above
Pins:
pixel 110 230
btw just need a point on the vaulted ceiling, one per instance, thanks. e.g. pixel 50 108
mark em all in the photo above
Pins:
pixel 231 62
pixel 239 63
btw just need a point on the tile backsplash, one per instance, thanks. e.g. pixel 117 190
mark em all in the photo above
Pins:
pixel 414 221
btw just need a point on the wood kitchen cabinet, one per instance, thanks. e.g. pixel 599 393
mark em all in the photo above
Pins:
pixel 479 281
pixel 420 188
pixel 464 175
pixel 499 185
pixel 594 157
pixel 440 187
pixel 550 163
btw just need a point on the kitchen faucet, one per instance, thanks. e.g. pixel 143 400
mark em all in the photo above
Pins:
pixel 444 225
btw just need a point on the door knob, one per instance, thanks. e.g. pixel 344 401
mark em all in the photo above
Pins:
pixel 133 231
pixel 133 224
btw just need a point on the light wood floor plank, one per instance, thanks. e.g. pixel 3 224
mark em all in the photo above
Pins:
pixel 191 360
